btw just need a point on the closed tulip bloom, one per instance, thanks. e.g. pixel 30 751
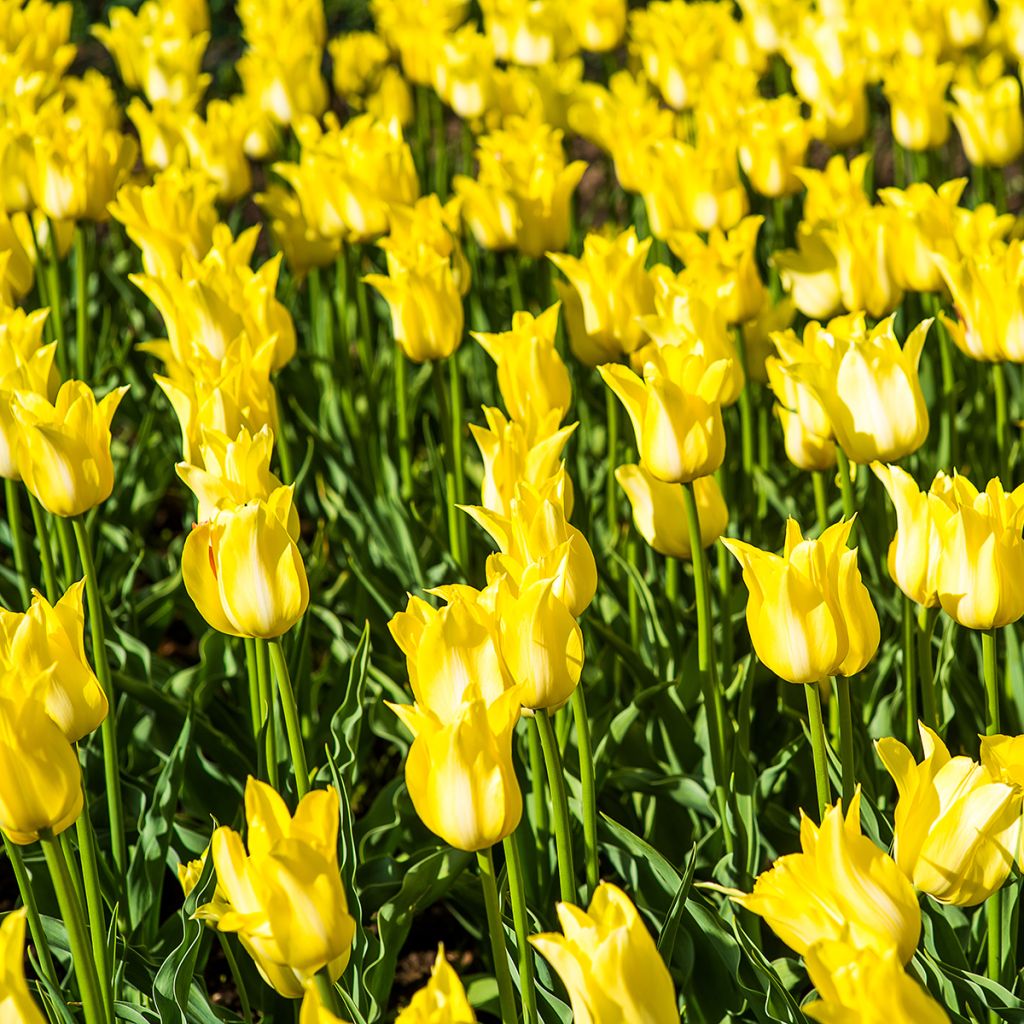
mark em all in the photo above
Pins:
pixel 286 82
pixel 490 212
pixel 980 578
pixel 676 413
pixel 532 378
pixel 870 389
pixel 216 146
pixel 452 651
pixel 659 511
pixel 441 1001
pixel 427 226
pixel 613 289
pixel 609 963
pixel 915 550
pixel 858 243
pixel 45 645
pixel 509 457
pixel 598 25
pixel 283 896
pixel 63 448
pixel 40 778
pixel 915 87
pixel 357 59
pixel 866 986
pixel 839 887
pixel 957 827
pixel 774 140
pixel 16 1004
pixel 460 774
pixel 303 247
pixel 809 613
pixel 810 274
pixel 987 114
pixel 243 570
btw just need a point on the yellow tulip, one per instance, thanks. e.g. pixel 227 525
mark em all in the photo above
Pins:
pixel 161 142
pixel 392 99
pixel 608 962
pixel 957 827
pixel 285 78
pixel 773 318
pixel 460 774
pixel 16 1004
pixel 465 75
pixel 774 137
pixel 659 511
pixel 441 1001
pixel 173 216
pixel 283 897
pixel 530 32
pixel 301 244
pixel 509 457
pixel 980 578
pixel 810 274
pixel 19 251
pixel 809 613
pixel 858 243
pixel 452 651
pixel 675 411
pixel 313 1010
pixel 63 448
pixel 839 887
pixel 44 645
pixel 40 778
pixel 987 114
pixel 490 211
pixel 612 289
pixel 870 389
pixel 915 87
pixel 867 986
pixel 598 25
pixel 357 59
pixel 836 192
pixel 415 30
pixel 532 378
pixel 243 570
pixel 915 550
pixel 1003 758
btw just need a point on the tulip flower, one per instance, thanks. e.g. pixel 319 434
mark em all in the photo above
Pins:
pixel 453 650
pixel 460 774
pixel 867 986
pixel 598 25
pixel 809 614
pixel 987 114
pixel 1003 758
pixel 40 778
pixel 773 318
pixel 528 32
pixel 441 1001
pixel 773 142
pixel 313 1010
pixel 414 31
pixel 957 826
pixel 465 75
pixel 857 242
pixel 836 192
pixel 980 578
pixel 869 388
pixel 610 290
pixel 810 274
pixel 675 411
pixel 427 226
pixel 216 146
pixel 509 457
pixel 285 77
pixel 915 87
pixel 302 246
pixel 16 1003
pixel 839 887
pixel 659 511
pixel 357 60
pixel 283 897
pixel 608 962
pixel 63 448
pixel 243 570
pixel 45 645
pixel 161 141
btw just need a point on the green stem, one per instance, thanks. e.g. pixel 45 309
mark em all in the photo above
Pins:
pixel 994 920
pixel 515 286
pixel 267 711
pixel 820 504
pixel 999 395
pixel 291 717
pixel 94 902
pixel 818 747
pixel 612 455
pixel 45 548
pixel 925 669
pixel 671 579
pixel 527 988
pixel 66 554
pixel 706 663
pixel 81 303
pixel 499 952
pixel 458 460
pixel 111 772
pixel 746 417
pixel 538 802
pixel 588 785
pixel 254 686
pixel 13 501
pixel 71 912
pixel 28 898
pixel 988 651
pixel 54 290
pixel 401 397
pixel 849 773
pixel 559 806
pixel 909 673
pixel 236 976
pixel 454 533
pixel 845 483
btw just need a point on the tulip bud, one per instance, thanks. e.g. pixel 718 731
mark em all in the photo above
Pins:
pixel 810 274
pixel 598 25
pixel 608 962
pixel 243 569
pixel 216 146
pixel 809 614
pixel 18 1007
pixel 303 247
pixel 441 1001
pixel 774 140
pixel 63 449
pixel 839 887
pixel 659 511
pixel 987 114
pixel 283 897
pixel 460 774
pixel 957 827
pixel 915 87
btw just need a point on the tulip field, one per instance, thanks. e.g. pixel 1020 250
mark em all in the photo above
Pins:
pixel 513 512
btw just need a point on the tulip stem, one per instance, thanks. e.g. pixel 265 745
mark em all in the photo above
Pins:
pixel 458 428
pixel 53 288
pixel 706 662
pixel 999 395
pixel 994 920
pixel 909 673
pixel 925 668
pixel 93 900
pixel 66 555
pixel 81 304
pixel 746 417
pixel 818 746
pixel 404 455
pixel 266 716
pixel 538 801
pixel 611 492
pixel 14 523
pixel 236 977
pixel 527 988
pixel 112 776
pixel 559 804
pixel 254 686
pixel 849 774
pixel 291 717
pixel 988 652
pixel 45 550
pixel 820 503
pixel 325 989
pixel 71 912
pixel 35 922
pixel 506 993
pixel 448 421
pixel 587 782
pixel 671 579
pixel 845 483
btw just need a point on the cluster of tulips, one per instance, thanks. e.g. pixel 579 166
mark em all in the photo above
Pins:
pixel 746 294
